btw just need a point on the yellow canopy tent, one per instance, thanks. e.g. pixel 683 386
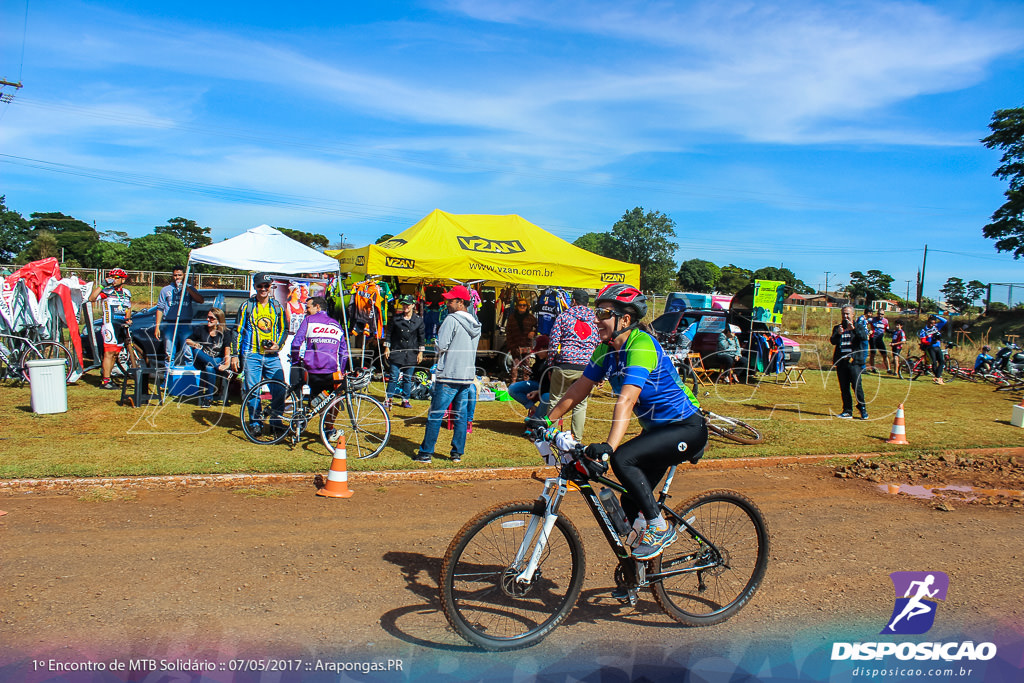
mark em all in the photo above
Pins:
pixel 481 247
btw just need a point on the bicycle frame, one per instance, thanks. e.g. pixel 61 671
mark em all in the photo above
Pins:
pixel 546 508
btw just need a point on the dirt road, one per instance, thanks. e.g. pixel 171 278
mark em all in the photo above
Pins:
pixel 221 576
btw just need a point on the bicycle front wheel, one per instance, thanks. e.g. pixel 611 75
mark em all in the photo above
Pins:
pixel 48 350
pixel 729 577
pixel 733 429
pixel 362 420
pixel 953 368
pixel 267 412
pixel 479 593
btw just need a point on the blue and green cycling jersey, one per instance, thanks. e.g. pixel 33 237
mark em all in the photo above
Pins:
pixel 664 397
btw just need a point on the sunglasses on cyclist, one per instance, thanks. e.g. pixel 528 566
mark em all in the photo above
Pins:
pixel 604 313
pixel 263 286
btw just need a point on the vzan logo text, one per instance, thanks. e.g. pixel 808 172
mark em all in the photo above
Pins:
pixel 613 277
pixel 395 262
pixel 491 246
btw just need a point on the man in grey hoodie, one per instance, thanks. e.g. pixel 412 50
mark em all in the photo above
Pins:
pixel 456 345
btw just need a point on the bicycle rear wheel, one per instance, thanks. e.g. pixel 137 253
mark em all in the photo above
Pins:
pixel 736 527
pixel 733 429
pixel 363 421
pixel 267 412
pixel 48 350
pixel 479 595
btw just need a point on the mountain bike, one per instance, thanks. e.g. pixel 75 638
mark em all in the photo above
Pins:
pixel 922 365
pixel 731 428
pixel 274 410
pixel 16 351
pixel 512 574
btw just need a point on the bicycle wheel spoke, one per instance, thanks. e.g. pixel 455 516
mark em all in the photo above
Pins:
pixel 481 596
pixel 735 528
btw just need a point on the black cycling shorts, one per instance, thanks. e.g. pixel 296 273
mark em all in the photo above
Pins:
pixel 640 463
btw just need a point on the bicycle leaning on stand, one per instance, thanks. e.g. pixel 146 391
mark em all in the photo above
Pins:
pixel 273 410
pixel 17 351
pixel 512 573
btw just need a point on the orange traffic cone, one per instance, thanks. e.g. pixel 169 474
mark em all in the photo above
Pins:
pixel 899 428
pixel 337 477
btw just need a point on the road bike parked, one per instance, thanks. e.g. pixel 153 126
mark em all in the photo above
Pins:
pixel 274 410
pixel 16 351
pixel 922 365
pixel 512 574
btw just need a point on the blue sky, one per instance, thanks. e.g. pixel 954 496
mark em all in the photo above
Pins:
pixel 820 136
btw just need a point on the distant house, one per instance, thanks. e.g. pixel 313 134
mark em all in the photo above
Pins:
pixel 819 299
pixel 885 305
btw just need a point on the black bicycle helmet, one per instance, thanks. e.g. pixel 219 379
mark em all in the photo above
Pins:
pixel 624 297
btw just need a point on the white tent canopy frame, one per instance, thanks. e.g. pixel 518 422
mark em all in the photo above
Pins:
pixel 262 249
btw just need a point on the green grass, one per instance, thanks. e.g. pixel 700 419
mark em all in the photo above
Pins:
pixel 96 437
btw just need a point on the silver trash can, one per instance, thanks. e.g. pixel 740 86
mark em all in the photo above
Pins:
pixel 48 379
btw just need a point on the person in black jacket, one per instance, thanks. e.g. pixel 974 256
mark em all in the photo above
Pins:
pixel 403 347
pixel 851 341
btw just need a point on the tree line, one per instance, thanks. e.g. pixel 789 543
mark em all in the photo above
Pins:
pixel 78 244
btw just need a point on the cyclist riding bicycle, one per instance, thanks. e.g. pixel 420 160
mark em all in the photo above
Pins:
pixel 319 346
pixel 648 386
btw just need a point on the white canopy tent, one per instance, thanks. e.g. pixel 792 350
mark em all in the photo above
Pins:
pixel 262 249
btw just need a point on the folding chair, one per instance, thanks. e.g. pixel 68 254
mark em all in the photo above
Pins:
pixel 696 364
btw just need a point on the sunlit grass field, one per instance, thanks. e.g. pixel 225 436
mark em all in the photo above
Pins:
pixel 96 437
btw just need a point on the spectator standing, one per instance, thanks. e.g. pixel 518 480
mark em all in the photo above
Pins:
pixel 519 333
pixel 878 327
pixel 899 337
pixel 931 343
pixel 728 354
pixel 403 347
pixel 261 334
pixel 117 303
pixel 851 341
pixel 456 344
pixel 574 336
pixel 211 348
pixel 172 306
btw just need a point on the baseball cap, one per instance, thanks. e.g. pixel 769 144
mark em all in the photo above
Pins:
pixel 261 279
pixel 406 299
pixel 458 292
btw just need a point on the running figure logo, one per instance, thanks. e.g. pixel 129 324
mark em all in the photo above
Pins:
pixel 916 593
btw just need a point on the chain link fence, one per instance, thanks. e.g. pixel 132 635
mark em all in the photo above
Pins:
pixel 145 285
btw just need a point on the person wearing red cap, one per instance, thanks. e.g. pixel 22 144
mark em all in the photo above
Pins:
pixel 456 344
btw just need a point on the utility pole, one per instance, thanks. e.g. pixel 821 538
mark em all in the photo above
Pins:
pixel 908 291
pixel 826 287
pixel 920 280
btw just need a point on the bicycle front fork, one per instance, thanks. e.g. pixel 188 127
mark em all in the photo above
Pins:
pixel 542 521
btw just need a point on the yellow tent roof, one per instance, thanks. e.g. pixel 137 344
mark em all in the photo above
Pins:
pixel 482 247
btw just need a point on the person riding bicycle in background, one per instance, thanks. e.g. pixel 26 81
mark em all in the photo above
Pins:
pixel 117 303
pixel 983 363
pixel 319 346
pixel 648 386
pixel 931 343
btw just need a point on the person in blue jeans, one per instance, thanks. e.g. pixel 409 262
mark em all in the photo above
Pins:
pixel 534 392
pixel 261 334
pixel 211 351
pixel 403 349
pixel 456 345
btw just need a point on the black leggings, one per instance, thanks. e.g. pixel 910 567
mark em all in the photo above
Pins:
pixel 640 463
pixel 938 360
